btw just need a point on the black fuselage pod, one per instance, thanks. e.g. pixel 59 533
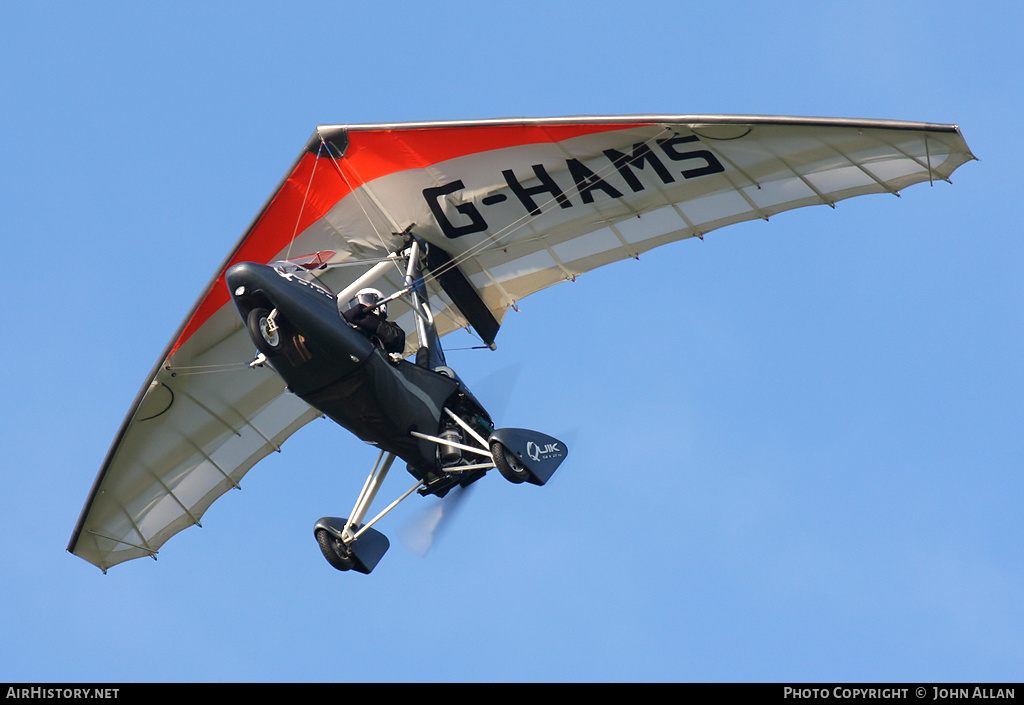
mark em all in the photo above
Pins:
pixel 337 370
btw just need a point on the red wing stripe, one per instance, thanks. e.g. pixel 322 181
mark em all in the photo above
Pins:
pixel 370 155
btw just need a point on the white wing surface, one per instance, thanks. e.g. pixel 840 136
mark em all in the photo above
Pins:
pixel 509 207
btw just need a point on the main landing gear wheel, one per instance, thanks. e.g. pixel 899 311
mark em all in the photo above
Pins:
pixel 334 551
pixel 267 338
pixel 508 464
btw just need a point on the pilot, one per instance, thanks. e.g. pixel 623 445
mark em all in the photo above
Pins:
pixel 372 321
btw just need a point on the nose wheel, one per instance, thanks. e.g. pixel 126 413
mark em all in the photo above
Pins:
pixel 265 331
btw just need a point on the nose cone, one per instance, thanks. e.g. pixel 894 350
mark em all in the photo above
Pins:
pixel 251 284
pixel 244 276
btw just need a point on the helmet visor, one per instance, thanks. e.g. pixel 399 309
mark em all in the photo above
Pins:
pixel 368 299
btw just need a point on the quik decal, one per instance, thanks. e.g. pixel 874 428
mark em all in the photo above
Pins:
pixel 547 451
pixel 586 183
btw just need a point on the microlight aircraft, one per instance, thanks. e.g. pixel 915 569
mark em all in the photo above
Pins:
pixel 454 223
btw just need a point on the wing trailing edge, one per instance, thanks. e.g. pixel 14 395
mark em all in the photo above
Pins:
pixel 510 207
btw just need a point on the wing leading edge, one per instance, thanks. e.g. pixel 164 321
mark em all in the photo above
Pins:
pixel 513 206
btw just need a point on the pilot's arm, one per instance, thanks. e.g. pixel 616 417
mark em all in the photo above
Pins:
pixel 390 335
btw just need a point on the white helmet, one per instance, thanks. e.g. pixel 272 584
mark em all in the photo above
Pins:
pixel 368 297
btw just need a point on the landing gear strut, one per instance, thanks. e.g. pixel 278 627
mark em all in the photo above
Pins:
pixel 349 544
pixel 465 443
pixel 520 456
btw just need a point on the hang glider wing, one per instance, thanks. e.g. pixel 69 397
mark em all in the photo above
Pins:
pixel 509 207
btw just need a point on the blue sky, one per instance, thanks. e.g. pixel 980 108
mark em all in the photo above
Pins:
pixel 799 460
